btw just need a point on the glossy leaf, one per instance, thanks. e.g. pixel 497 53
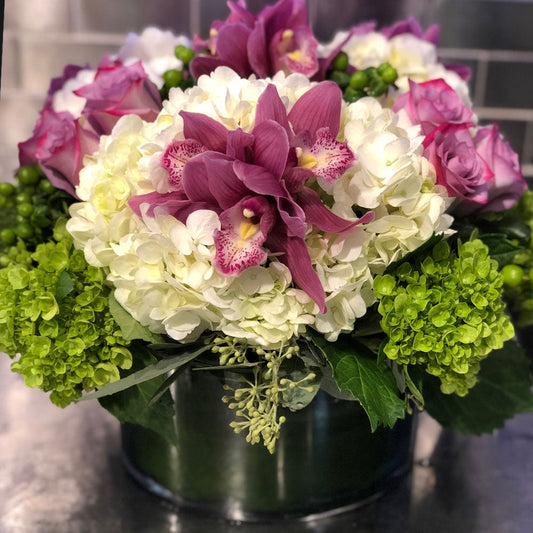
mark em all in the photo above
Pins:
pixel 503 390
pixel 373 384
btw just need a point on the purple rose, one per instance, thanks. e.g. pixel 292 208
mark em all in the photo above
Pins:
pixel 507 185
pixel 119 90
pixel 69 72
pixel 459 166
pixel 58 145
pixel 431 104
pixel 278 38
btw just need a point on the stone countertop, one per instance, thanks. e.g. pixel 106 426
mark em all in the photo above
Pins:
pixel 61 472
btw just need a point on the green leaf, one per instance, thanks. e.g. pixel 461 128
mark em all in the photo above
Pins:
pixel 64 286
pixel 146 374
pixel 419 252
pixel 503 390
pixel 356 370
pixel 133 405
pixel 131 329
pixel 501 248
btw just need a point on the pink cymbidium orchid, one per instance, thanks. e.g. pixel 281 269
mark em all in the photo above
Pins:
pixel 257 182
pixel 278 38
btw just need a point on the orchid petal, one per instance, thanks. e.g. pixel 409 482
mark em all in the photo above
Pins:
pixel 223 184
pixel 205 130
pixel 259 180
pixel 239 13
pixel 295 177
pixel 244 228
pixel 318 108
pixel 173 160
pixel 195 180
pixel 295 255
pixel 232 46
pixel 172 203
pixel 204 65
pixel 327 158
pixel 257 50
pixel 318 215
pixel 240 145
pixel 271 107
pixel 271 147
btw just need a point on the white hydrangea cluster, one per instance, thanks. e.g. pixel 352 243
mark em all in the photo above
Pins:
pixel 391 178
pixel 412 57
pixel 155 48
pixel 162 269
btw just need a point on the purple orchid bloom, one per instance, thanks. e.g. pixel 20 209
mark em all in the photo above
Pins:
pixel 256 182
pixel 410 25
pixel 278 38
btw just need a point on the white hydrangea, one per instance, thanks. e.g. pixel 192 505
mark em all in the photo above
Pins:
pixel 155 48
pixel 412 57
pixel 391 178
pixel 162 269
pixel 65 100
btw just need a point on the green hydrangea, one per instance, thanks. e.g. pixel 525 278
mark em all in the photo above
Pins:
pixel 445 313
pixel 54 314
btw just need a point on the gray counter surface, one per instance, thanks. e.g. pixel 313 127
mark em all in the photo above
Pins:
pixel 61 472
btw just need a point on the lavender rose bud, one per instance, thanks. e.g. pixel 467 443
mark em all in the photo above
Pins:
pixel 459 167
pixel 431 104
pixel 58 145
pixel 119 90
pixel 507 185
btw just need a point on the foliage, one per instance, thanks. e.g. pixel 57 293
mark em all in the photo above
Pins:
pixel 55 314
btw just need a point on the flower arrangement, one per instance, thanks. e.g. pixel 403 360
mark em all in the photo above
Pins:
pixel 311 216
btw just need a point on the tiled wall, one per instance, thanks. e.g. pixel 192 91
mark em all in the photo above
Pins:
pixel 495 37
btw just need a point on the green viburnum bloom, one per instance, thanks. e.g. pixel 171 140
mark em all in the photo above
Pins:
pixel 445 313
pixel 54 314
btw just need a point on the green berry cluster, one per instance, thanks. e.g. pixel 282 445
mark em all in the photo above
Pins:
pixel 518 275
pixel 54 315
pixel 29 208
pixel 445 313
pixel 369 82
pixel 178 78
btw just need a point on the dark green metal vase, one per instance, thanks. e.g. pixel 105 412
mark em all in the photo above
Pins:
pixel 326 458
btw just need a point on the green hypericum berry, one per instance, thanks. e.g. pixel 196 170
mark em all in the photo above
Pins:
pixel 172 78
pixel 358 80
pixel 8 236
pixel 46 186
pixel 28 176
pixel 377 88
pixel 7 189
pixel 183 53
pixel 24 230
pixel 512 275
pixel 389 74
pixel 23 198
pixel 372 73
pixel 342 79
pixel 352 95
pixel 340 61
pixel 25 210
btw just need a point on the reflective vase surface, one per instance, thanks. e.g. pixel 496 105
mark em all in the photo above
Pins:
pixel 326 459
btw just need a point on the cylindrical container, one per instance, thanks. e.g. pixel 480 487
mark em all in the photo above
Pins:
pixel 326 459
